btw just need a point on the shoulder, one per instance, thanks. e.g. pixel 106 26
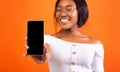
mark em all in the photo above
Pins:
pixel 94 40
pixel 89 39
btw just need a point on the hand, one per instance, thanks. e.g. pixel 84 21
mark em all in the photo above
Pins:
pixel 41 58
pixel 45 57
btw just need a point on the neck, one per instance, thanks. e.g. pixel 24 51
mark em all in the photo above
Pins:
pixel 71 31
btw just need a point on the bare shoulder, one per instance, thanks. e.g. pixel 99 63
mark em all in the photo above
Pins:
pixel 91 40
pixel 94 40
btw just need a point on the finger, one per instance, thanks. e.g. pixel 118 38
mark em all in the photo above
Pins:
pixel 25 37
pixel 26 46
pixel 24 55
pixel 46 47
pixel 41 62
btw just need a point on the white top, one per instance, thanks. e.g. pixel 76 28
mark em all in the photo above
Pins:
pixel 74 57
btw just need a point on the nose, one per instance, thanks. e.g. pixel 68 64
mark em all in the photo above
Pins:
pixel 63 13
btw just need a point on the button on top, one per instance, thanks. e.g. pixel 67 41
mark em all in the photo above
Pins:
pixel 73 63
pixel 73 45
pixel 74 52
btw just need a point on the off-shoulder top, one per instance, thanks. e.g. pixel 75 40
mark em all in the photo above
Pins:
pixel 74 57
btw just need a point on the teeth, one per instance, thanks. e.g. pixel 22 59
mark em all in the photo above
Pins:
pixel 64 20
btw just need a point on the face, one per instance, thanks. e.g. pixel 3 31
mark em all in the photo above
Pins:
pixel 66 14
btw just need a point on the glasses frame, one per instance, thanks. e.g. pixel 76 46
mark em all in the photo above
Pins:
pixel 67 10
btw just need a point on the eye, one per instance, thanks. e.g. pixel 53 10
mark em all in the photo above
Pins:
pixel 58 9
pixel 68 9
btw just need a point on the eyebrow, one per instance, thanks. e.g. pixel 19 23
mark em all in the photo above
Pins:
pixel 69 6
pixel 66 6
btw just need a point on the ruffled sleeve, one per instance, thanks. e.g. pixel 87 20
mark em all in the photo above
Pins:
pixel 97 64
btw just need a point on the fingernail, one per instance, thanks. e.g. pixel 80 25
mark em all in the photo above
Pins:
pixel 24 54
pixel 41 62
pixel 25 37
pixel 26 46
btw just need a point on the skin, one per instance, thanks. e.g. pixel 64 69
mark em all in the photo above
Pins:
pixel 71 17
pixel 69 30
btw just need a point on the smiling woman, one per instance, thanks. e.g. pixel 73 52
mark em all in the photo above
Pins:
pixel 70 50
pixel 66 14
pixel 81 8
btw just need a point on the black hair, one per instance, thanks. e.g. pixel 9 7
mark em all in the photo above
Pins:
pixel 82 9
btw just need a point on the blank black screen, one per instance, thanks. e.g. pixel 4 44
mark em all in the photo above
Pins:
pixel 35 40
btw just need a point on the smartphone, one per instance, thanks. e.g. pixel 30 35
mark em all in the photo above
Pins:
pixel 35 37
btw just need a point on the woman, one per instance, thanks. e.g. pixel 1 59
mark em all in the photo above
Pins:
pixel 69 50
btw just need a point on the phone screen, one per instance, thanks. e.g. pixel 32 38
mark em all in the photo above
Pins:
pixel 35 37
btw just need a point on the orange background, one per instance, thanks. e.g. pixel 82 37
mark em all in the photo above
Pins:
pixel 103 24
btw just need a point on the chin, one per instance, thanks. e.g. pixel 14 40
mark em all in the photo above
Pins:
pixel 66 28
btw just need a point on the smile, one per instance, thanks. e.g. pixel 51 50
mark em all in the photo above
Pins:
pixel 64 20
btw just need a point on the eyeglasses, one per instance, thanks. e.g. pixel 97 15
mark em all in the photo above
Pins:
pixel 67 10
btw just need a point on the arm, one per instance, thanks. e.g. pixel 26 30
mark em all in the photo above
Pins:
pixel 97 64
